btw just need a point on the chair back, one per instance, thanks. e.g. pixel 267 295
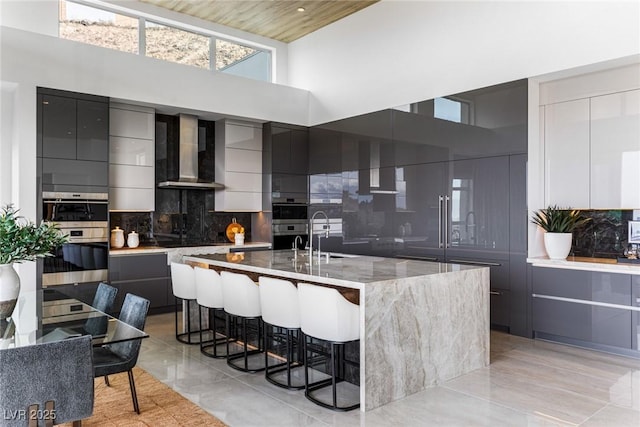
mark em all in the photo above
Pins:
pixel 59 371
pixel 279 302
pixel 134 313
pixel 183 281
pixel 208 288
pixel 241 295
pixel 103 301
pixel 327 315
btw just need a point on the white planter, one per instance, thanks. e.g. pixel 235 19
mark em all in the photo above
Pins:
pixel 557 245
pixel 9 289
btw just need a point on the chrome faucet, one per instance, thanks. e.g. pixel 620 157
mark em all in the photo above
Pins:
pixel 326 234
pixel 294 246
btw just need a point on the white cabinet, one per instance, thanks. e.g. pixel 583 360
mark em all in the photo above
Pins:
pixel 131 158
pixel 615 151
pixel 239 166
pixel 566 154
pixel 131 121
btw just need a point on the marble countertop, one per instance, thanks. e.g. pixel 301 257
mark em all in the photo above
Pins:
pixel 350 271
pixel 176 254
pixel 605 265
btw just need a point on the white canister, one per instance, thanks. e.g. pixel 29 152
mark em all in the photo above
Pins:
pixel 239 238
pixel 133 240
pixel 117 238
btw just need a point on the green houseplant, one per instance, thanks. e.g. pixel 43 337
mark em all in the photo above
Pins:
pixel 21 240
pixel 558 224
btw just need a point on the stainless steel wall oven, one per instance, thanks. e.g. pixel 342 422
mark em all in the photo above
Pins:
pixel 84 218
pixel 289 220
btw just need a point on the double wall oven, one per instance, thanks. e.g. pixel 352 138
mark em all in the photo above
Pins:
pixel 289 220
pixel 84 217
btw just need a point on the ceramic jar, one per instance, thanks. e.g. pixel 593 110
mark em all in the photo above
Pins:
pixel 117 238
pixel 239 238
pixel 133 240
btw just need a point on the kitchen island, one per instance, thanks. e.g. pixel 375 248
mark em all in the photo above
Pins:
pixel 421 323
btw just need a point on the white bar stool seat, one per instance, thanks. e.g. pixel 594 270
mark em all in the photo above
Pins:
pixel 183 284
pixel 209 296
pixel 242 301
pixel 281 315
pixel 326 315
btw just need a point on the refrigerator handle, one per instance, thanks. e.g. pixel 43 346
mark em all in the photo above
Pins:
pixel 440 202
pixel 446 222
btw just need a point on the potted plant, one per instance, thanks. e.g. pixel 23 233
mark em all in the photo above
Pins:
pixel 21 240
pixel 558 224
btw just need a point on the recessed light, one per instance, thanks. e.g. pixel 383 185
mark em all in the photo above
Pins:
pixel 301 9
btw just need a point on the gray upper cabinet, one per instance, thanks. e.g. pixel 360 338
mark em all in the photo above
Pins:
pixel 58 127
pixel 92 131
pixel 290 150
pixel 73 133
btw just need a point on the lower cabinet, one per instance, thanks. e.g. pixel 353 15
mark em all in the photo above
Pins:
pixel 500 288
pixel 583 308
pixel 145 275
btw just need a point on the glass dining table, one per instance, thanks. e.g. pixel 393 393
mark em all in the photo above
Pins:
pixel 48 315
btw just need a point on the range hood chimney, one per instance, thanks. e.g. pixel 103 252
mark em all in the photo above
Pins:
pixel 188 159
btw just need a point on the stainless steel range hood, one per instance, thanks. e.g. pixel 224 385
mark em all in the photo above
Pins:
pixel 188 159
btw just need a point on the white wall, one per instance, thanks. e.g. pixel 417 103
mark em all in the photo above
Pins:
pixel 398 52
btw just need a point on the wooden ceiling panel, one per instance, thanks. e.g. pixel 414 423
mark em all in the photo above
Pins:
pixel 275 19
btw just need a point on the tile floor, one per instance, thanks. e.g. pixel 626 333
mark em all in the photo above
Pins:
pixel 529 383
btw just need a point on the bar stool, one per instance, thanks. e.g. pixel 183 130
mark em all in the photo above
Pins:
pixel 280 313
pixel 326 315
pixel 209 296
pixel 184 289
pixel 242 301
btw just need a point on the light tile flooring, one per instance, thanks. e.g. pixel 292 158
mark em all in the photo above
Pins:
pixel 529 383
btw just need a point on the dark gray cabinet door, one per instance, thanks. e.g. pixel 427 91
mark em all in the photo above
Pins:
pixel 324 151
pixel 144 275
pixel 518 215
pixel 299 152
pixel 479 207
pixel 58 127
pixel 74 175
pixel 425 184
pixel 280 150
pixel 576 319
pixel 92 131
pixel 635 316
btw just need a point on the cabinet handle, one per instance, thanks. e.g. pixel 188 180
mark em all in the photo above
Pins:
pixel 419 258
pixel 495 293
pixel 447 239
pixel 440 201
pixel 482 263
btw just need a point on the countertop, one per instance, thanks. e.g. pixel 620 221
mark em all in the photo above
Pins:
pixel 176 254
pixel 606 265
pixel 350 271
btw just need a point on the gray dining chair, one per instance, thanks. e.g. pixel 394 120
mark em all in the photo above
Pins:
pixel 102 301
pixel 122 356
pixel 50 383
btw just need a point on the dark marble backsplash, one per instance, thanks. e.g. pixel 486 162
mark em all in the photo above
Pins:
pixel 140 222
pixel 175 229
pixel 605 236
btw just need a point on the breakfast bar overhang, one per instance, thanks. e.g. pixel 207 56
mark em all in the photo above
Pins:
pixel 421 323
